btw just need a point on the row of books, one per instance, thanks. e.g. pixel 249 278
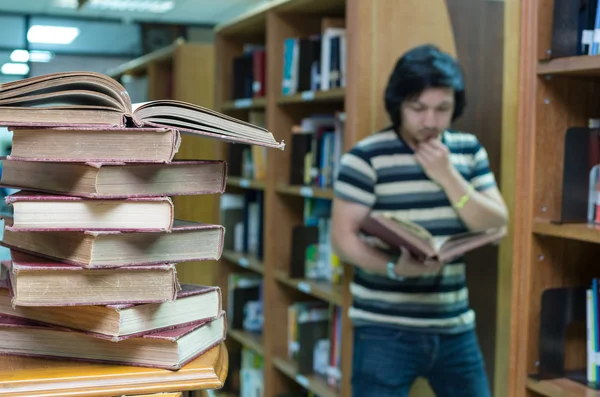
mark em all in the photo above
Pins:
pixel 93 239
pixel 314 339
pixel 312 256
pixel 316 62
pixel 317 145
pixel 243 215
pixel 575 28
pixel 249 73
pixel 252 368
pixel 245 301
pixel 313 63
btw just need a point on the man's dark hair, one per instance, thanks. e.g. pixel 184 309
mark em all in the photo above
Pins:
pixel 422 67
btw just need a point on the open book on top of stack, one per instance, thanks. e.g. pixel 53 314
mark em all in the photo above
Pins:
pixel 72 99
pixel 389 232
pixel 93 239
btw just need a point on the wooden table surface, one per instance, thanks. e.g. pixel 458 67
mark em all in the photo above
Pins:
pixel 36 377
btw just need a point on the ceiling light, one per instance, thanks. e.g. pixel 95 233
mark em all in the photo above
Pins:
pixel 31 56
pixel 40 56
pixel 19 56
pixel 65 3
pixel 154 6
pixel 15 68
pixel 52 34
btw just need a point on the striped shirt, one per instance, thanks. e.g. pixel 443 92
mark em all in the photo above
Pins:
pixel 381 172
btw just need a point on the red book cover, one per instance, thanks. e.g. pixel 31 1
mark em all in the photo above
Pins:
pixel 259 87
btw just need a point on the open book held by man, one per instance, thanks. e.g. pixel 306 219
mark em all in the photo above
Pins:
pixel 390 232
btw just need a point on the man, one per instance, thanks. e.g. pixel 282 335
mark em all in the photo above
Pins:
pixel 413 319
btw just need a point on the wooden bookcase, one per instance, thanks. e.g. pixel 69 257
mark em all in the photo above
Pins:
pixel 377 33
pixel 184 71
pixel 553 96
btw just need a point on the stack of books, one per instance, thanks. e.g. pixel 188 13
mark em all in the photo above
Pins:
pixel 92 237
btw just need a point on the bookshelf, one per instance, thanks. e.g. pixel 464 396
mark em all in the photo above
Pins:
pixel 554 95
pixel 182 71
pixel 376 33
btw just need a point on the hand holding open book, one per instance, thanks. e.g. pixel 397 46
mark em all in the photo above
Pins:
pixel 395 232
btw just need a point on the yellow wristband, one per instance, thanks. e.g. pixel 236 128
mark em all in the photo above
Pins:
pixel 464 199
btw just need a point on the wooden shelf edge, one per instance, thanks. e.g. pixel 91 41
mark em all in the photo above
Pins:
pixel 333 95
pixel 313 288
pixel 241 104
pixel 310 382
pixel 244 261
pixel 245 183
pixel 305 191
pixel 573 231
pixel 578 65
pixel 561 387
pixel 143 61
pixel 248 339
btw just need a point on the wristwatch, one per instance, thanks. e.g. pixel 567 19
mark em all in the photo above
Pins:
pixel 391 271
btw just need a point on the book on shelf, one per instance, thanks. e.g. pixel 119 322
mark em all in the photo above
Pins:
pixel 316 144
pixel 90 98
pixel 313 340
pixel 169 349
pixel 249 73
pixel 245 304
pixel 315 62
pixel 390 232
pixel 573 28
pixel 193 303
pixel 111 180
pixel 185 242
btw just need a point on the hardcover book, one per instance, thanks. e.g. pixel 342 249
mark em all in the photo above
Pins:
pixel 94 144
pixel 194 303
pixel 170 349
pixel 185 242
pixel 39 282
pixel 46 212
pixel 117 180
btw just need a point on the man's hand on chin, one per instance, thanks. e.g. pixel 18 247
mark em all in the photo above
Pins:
pixel 434 157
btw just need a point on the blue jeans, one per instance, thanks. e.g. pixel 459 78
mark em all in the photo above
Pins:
pixel 387 361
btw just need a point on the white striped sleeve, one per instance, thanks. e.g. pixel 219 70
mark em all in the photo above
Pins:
pixel 482 177
pixel 356 178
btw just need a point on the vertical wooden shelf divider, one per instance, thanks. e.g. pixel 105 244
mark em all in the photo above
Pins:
pixel 377 33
